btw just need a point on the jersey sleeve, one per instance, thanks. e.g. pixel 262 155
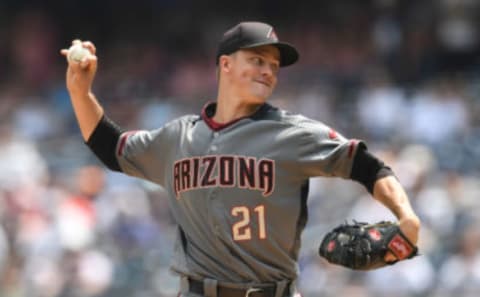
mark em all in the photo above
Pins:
pixel 325 152
pixel 144 154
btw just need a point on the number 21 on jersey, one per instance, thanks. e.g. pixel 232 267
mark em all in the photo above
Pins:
pixel 242 229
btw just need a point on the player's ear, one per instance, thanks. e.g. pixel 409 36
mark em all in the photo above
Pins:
pixel 225 63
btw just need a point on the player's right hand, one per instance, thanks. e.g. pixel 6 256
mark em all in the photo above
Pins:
pixel 80 75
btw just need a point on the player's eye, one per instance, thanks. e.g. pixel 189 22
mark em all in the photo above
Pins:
pixel 257 61
pixel 275 67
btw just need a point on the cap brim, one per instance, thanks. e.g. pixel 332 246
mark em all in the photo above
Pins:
pixel 288 53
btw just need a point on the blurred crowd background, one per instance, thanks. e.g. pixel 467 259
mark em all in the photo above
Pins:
pixel 402 75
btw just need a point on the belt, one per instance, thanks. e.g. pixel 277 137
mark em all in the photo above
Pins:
pixel 197 288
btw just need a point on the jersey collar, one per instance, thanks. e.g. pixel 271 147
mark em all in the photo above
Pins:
pixel 209 109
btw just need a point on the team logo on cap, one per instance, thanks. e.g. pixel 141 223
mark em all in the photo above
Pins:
pixel 272 35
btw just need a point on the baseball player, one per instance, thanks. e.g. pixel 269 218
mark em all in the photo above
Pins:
pixel 237 173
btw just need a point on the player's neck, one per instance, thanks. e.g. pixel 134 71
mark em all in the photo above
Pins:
pixel 231 109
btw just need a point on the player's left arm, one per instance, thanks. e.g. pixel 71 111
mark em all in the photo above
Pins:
pixel 390 193
pixel 381 182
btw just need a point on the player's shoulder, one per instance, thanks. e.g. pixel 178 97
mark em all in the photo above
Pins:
pixel 293 119
pixel 174 126
pixel 299 124
pixel 189 118
pixel 181 121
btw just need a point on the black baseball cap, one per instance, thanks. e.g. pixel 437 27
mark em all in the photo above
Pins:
pixel 252 34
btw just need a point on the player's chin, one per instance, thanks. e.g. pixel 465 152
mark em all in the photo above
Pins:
pixel 260 99
pixel 261 94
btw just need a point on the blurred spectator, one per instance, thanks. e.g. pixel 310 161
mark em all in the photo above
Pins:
pixel 33 47
pixel 4 250
pixel 76 215
pixel 460 274
pixel 438 114
pixel 20 162
pixel 382 106
pixel 399 281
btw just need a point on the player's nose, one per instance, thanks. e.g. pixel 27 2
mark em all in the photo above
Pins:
pixel 268 74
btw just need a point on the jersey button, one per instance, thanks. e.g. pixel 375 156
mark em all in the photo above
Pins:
pixel 213 147
pixel 215 134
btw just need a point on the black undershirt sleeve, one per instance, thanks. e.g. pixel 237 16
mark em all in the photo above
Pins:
pixel 367 169
pixel 103 142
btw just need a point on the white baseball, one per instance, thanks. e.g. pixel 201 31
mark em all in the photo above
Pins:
pixel 77 52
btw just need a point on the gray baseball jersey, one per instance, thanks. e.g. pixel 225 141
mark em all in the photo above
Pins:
pixel 238 192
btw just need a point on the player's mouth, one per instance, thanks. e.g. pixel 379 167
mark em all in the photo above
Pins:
pixel 264 82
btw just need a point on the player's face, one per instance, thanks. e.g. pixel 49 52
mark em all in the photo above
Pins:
pixel 254 72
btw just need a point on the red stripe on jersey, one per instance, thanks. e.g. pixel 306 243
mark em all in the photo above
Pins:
pixel 210 107
pixel 332 134
pixel 123 141
pixel 215 126
pixel 351 148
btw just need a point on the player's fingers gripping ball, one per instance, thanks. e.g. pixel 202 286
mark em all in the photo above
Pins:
pixel 363 246
pixel 76 53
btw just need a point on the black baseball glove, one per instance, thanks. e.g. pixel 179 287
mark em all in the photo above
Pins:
pixel 363 246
